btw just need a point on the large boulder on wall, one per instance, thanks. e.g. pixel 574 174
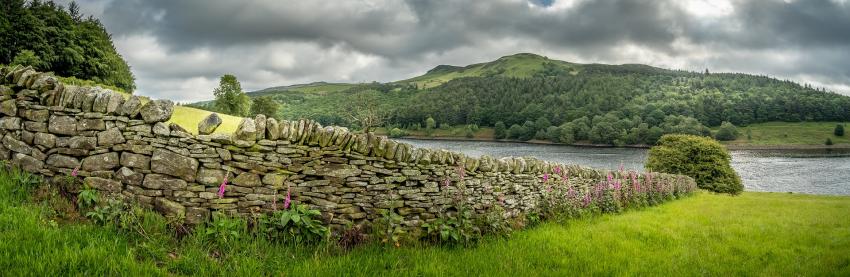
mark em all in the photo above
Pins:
pixel 209 124
pixel 157 111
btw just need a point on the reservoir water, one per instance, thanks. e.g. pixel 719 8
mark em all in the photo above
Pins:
pixel 798 171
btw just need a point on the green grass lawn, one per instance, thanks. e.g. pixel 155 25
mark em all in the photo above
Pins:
pixel 752 234
pixel 790 133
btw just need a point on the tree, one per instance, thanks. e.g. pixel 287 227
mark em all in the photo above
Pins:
pixel 516 132
pixel 499 130
pixel 264 105
pixel 566 134
pixel 46 36
pixel 828 141
pixel 29 58
pixel 701 158
pixel 229 98
pixel 430 124
pixel 365 110
pixel 727 132
pixel 469 131
pixel 839 130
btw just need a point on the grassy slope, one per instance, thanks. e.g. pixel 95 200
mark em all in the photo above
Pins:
pixel 188 118
pixel 318 87
pixel 752 234
pixel 790 133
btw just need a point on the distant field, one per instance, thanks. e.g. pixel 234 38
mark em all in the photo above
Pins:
pixel 189 117
pixel 763 134
pixel 790 133
pixel 324 87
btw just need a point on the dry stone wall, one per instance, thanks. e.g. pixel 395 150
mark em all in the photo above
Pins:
pixel 124 148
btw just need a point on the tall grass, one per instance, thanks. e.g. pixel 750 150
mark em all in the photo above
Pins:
pixel 751 234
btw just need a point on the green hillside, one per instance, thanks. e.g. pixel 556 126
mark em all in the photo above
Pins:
pixel 316 87
pixel 527 96
pixel 521 65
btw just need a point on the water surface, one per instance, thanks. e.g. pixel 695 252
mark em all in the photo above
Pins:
pixel 799 171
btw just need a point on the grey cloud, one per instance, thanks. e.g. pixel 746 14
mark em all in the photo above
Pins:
pixel 363 40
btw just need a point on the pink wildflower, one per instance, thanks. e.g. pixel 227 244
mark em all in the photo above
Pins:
pixel 546 177
pixel 447 182
pixel 621 167
pixel 223 186
pixel 288 198
pixel 558 169
pixel 75 171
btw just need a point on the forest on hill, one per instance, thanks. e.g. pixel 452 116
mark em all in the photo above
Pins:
pixel 526 96
pixel 49 37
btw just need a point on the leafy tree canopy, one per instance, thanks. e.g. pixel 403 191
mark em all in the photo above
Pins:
pixel 49 37
pixel 229 97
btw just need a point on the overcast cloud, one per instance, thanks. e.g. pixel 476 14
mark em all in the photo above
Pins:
pixel 178 49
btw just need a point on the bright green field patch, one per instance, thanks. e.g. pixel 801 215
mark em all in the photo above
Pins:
pixel 329 87
pixel 188 117
pixel 753 234
pixel 790 133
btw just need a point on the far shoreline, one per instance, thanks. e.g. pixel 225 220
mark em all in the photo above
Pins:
pixel 642 146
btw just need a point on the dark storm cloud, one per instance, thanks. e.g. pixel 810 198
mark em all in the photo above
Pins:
pixel 282 42
pixel 770 24
pixel 400 30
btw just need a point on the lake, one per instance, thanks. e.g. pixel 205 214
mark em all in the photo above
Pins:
pixel 798 171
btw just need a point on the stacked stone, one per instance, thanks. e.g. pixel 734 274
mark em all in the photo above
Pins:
pixel 125 149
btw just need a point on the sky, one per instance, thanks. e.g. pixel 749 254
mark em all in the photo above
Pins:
pixel 179 49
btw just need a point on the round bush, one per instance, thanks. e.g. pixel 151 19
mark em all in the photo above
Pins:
pixel 701 158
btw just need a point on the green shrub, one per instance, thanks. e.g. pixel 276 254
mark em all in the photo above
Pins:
pixel 839 130
pixel 389 229
pixel 469 132
pixel 828 141
pixel 499 130
pixel 86 198
pixel 727 132
pixel 223 229
pixel 701 158
pixel 397 133
pixel 457 227
pixel 299 224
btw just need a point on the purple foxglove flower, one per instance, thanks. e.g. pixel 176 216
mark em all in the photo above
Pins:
pixel 223 186
pixel 75 171
pixel 288 198
pixel 545 177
